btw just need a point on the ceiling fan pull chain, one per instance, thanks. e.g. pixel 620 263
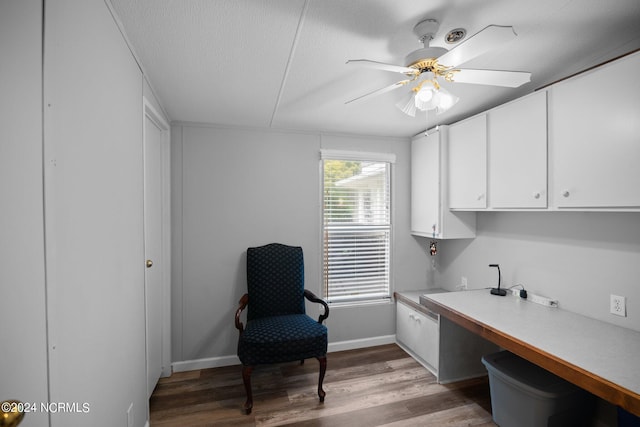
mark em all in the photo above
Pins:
pixel 426 116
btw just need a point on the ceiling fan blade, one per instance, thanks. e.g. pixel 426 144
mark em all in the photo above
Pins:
pixel 481 42
pixel 491 77
pixel 382 66
pixel 381 91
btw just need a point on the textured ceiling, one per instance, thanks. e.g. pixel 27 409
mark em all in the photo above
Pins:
pixel 281 63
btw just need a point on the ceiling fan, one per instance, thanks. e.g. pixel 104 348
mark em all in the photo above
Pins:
pixel 424 66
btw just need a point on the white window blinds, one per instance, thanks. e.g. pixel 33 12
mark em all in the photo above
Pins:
pixel 356 229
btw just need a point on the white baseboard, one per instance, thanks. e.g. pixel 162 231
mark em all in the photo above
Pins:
pixel 217 362
pixel 210 362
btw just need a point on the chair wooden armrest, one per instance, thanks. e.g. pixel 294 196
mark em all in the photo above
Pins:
pixel 242 305
pixel 313 298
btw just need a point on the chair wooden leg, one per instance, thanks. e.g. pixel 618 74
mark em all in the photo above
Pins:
pixel 323 370
pixel 246 377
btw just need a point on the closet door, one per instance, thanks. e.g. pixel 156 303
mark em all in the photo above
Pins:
pixel 94 216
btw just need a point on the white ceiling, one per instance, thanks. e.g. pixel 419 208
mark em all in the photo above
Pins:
pixel 281 63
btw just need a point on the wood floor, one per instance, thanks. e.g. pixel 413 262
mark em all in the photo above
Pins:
pixel 376 386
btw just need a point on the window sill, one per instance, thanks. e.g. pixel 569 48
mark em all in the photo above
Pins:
pixel 341 305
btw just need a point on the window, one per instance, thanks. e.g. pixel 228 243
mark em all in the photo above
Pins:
pixel 356 226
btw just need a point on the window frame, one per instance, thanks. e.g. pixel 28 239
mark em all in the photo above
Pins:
pixel 359 156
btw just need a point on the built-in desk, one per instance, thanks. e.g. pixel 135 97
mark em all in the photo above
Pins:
pixel 450 352
pixel 597 356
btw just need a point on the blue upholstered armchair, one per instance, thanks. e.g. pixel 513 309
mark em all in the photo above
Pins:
pixel 278 330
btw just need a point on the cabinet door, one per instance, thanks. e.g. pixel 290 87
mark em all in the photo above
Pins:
pixel 595 137
pixel 425 185
pixel 419 333
pixel 430 215
pixel 517 154
pixel 404 325
pixel 427 340
pixel 468 164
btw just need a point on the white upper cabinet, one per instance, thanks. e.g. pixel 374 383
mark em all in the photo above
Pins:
pixel 468 164
pixel 430 215
pixel 594 139
pixel 517 154
pixel 425 185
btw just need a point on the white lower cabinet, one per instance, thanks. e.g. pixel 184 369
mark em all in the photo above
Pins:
pixel 419 334
pixel 449 351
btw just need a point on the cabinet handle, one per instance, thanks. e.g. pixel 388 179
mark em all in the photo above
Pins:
pixel 481 196
pixel 536 195
pixel 566 193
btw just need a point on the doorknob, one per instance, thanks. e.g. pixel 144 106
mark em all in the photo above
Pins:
pixel 149 263
pixel 12 413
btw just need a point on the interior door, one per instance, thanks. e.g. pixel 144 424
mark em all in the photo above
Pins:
pixel 153 238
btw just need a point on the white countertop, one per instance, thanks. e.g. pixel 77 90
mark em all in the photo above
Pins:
pixel 603 349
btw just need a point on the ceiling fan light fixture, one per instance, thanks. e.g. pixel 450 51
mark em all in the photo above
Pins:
pixel 431 95
pixel 445 101
pixel 407 105
pixel 425 94
pixel 425 98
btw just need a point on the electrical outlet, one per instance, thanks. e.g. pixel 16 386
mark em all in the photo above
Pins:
pixel 618 305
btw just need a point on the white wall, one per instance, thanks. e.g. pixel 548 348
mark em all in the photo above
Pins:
pixel 237 188
pixel 23 349
pixel 578 258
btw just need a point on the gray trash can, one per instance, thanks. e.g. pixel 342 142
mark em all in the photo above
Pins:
pixel 627 419
pixel 526 395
